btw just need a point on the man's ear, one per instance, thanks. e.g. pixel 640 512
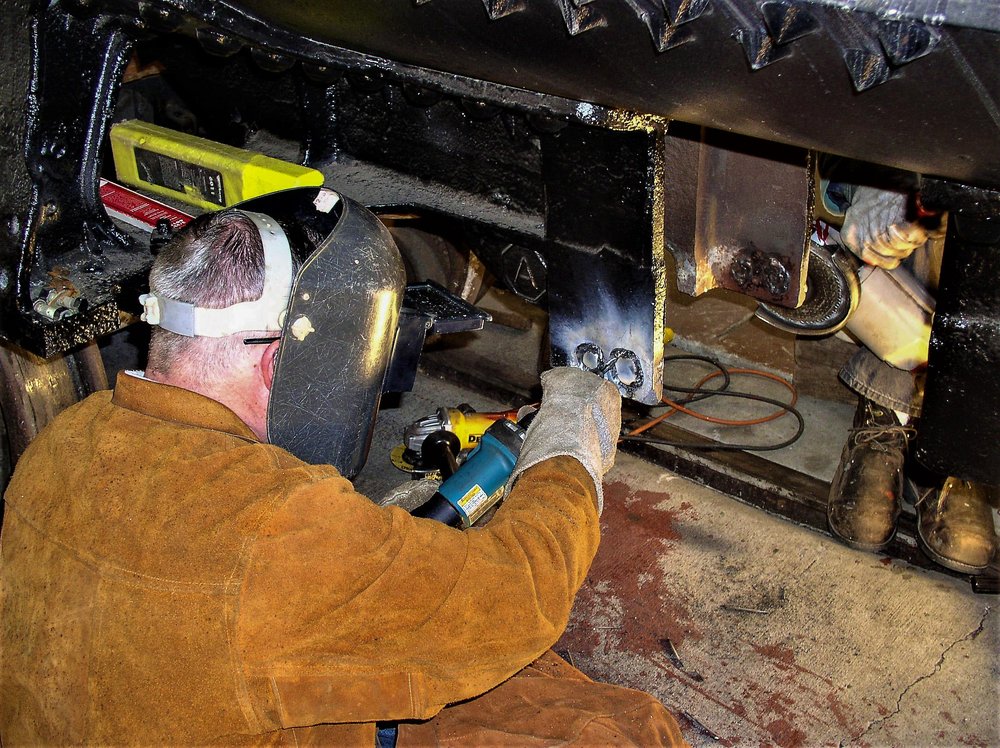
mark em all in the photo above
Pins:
pixel 268 361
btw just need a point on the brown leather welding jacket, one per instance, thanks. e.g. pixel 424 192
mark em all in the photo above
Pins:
pixel 169 579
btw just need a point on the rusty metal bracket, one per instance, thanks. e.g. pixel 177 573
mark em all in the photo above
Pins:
pixel 738 215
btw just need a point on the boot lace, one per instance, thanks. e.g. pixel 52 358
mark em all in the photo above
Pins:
pixel 884 439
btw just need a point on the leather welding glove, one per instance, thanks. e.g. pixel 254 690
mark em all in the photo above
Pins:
pixel 411 494
pixel 877 230
pixel 580 416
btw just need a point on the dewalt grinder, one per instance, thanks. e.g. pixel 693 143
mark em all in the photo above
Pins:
pixel 418 456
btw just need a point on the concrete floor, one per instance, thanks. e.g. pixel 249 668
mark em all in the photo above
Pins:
pixel 760 633
pixel 755 631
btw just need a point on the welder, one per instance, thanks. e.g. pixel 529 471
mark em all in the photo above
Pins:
pixel 174 571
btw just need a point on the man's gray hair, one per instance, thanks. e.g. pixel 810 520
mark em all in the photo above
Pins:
pixel 214 262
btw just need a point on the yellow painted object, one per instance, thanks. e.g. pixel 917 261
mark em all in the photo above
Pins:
pixel 198 171
pixel 470 427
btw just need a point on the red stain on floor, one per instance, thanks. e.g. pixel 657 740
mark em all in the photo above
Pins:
pixel 627 572
pixel 974 740
pixel 628 626
pixel 784 659
pixel 785 734
pixel 839 711
pixel 775 652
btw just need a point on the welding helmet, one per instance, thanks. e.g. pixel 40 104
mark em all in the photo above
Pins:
pixel 337 315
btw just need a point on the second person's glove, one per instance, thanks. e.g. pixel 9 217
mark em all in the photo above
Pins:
pixel 877 230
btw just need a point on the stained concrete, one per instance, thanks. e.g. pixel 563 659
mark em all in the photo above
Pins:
pixel 762 633
pixel 754 631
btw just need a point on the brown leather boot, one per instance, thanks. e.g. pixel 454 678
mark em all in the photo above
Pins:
pixel 955 526
pixel 864 493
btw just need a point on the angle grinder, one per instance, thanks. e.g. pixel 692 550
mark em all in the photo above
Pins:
pixel 464 424
pixel 479 483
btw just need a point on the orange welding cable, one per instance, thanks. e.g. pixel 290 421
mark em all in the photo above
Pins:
pixel 675 406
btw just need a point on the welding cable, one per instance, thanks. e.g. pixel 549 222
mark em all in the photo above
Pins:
pixel 699 392
pixel 702 393
pixel 722 371
pixel 679 406
pixel 733 447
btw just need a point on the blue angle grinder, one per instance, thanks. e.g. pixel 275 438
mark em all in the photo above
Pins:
pixel 470 490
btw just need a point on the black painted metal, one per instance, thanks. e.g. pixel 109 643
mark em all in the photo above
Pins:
pixel 926 106
pixel 388 114
pixel 76 63
pixel 513 118
pixel 959 431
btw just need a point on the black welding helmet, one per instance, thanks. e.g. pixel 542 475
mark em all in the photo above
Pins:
pixel 337 315
pixel 338 332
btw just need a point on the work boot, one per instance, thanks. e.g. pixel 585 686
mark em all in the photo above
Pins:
pixel 955 526
pixel 864 494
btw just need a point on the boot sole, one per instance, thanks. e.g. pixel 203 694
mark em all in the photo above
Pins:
pixel 859 546
pixel 949 563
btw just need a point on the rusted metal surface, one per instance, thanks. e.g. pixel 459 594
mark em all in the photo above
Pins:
pixel 737 214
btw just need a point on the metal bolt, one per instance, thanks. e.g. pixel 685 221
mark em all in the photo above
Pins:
pixel 741 269
pixel 159 18
pixel 479 109
pixel 321 73
pixel 420 96
pixel 524 272
pixel 272 62
pixel 499 197
pixel 218 44
pixel 777 279
pixel 13 225
pixel 367 81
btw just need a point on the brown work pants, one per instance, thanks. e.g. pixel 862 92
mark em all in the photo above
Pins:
pixel 549 703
